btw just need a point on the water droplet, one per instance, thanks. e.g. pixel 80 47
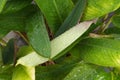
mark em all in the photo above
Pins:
pixel 101 78
pixel 75 75
pixel 3 66
pixel 78 70
pixel 97 76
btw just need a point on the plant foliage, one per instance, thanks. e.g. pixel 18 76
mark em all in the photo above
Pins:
pixel 60 40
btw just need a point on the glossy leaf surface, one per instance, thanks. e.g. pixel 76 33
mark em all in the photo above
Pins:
pixel 88 72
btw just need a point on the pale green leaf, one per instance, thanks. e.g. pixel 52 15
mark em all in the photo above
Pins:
pixel 100 51
pixel 37 35
pixel 2 4
pixel 84 71
pixel 73 17
pixel 31 59
pixel 55 11
pixel 66 39
pixel 23 73
pixel 97 8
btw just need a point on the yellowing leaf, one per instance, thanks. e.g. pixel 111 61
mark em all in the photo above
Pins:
pixel 97 8
pixel 23 73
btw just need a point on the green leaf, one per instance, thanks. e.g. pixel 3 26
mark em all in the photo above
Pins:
pixel 15 5
pixel 112 30
pixel 99 8
pixel 14 21
pixel 104 52
pixel 55 11
pixel 73 17
pixel 59 71
pixel 31 59
pixel 116 20
pixel 23 73
pixel 8 53
pixel 88 72
pixel 2 4
pixel 6 72
pixel 37 35
pixel 62 42
pixel 58 45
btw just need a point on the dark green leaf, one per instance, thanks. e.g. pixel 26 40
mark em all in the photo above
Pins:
pixel 15 5
pixel 55 11
pixel 37 35
pixel 104 52
pixel 14 21
pixel 73 17
pixel 97 8
pixel 8 52
pixel 23 73
pixel 59 71
pixel 2 4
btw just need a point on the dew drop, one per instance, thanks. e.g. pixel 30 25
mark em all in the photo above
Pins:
pixel 3 66
pixel 78 70
pixel 75 75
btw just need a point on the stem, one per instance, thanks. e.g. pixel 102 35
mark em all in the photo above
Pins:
pixel 23 37
pixel 106 23
pixel 106 26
